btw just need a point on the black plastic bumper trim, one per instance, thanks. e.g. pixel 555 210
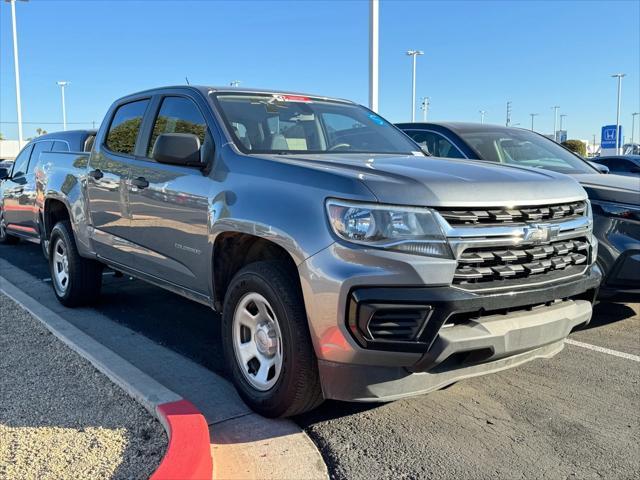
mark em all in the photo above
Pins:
pixel 447 301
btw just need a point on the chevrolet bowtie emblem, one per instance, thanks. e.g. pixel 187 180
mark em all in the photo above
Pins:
pixel 540 233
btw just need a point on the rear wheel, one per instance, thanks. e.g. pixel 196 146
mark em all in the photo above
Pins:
pixel 6 238
pixel 76 280
pixel 266 342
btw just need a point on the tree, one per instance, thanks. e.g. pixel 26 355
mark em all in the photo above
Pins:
pixel 41 131
pixel 577 146
pixel 1 136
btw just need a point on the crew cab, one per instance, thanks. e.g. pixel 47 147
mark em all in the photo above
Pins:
pixel 346 263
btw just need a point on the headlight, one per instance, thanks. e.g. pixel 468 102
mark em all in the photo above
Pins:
pixel 405 229
pixel 617 210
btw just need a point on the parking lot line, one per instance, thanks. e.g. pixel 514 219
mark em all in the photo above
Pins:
pixel 608 351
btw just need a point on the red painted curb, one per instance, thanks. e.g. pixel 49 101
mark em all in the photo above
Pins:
pixel 188 455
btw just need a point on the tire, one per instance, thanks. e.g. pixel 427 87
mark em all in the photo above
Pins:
pixel 6 238
pixel 83 276
pixel 294 387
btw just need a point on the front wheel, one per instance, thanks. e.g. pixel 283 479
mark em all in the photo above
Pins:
pixel 76 280
pixel 266 342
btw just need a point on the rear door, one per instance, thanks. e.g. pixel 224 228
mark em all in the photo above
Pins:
pixel 169 203
pixel 107 177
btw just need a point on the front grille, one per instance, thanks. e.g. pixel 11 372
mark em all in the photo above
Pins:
pixel 507 264
pixel 507 216
pixel 396 323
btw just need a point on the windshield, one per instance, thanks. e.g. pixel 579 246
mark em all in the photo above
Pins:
pixel 525 149
pixel 263 123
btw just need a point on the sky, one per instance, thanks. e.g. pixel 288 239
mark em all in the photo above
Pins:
pixel 477 56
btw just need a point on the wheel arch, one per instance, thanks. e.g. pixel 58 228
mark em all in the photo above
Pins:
pixel 233 250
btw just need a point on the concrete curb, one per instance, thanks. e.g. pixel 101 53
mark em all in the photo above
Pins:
pixel 188 455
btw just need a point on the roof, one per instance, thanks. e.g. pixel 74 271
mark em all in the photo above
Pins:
pixel 206 89
pixel 459 126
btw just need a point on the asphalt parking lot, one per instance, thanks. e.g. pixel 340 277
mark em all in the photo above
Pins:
pixel 574 416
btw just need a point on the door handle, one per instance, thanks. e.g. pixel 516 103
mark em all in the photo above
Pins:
pixel 140 182
pixel 96 174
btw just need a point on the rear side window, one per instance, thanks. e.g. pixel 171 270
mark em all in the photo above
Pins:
pixel 38 148
pixel 178 115
pixel 21 164
pixel 125 126
pixel 60 147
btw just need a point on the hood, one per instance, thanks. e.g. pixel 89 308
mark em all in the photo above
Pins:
pixel 611 188
pixel 439 182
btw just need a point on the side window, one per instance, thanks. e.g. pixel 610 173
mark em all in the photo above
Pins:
pixel 21 162
pixel 178 115
pixel 436 144
pixel 38 148
pixel 60 147
pixel 125 126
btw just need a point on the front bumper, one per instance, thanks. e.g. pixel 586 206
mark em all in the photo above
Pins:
pixel 465 334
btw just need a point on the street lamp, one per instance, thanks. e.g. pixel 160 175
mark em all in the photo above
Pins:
pixel 63 84
pixel 414 54
pixel 426 102
pixel 555 122
pixel 562 116
pixel 373 54
pixel 633 128
pixel 533 115
pixel 17 68
pixel 619 77
pixel 482 112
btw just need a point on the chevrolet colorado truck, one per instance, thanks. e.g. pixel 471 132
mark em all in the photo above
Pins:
pixel 346 263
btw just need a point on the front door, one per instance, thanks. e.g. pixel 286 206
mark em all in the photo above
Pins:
pixel 169 205
pixel 14 211
pixel 108 174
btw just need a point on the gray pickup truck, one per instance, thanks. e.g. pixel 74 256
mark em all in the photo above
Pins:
pixel 346 263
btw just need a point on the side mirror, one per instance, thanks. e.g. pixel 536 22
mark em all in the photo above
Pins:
pixel 177 149
pixel 598 166
pixel 4 173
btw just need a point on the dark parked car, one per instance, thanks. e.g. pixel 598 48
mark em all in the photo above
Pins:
pixel 621 164
pixel 615 199
pixel 18 188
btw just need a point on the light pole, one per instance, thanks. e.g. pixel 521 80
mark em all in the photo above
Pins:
pixel 619 77
pixel 533 115
pixel 16 68
pixel 373 55
pixel 555 122
pixel 426 102
pixel 562 116
pixel 482 113
pixel 633 128
pixel 63 84
pixel 414 54
pixel 593 152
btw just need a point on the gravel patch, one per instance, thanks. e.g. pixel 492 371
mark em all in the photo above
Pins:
pixel 60 417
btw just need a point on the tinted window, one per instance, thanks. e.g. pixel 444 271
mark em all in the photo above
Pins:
pixel 515 146
pixel 22 161
pixel 125 126
pixel 436 144
pixel 60 147
pixel 262 123
pixel 38 148
pixel 178 115
pixel 619 165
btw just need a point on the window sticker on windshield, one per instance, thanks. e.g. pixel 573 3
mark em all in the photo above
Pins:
pixel 376 119
pixel 292 98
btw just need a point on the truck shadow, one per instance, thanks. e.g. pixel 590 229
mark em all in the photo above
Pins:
pixel 606 313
